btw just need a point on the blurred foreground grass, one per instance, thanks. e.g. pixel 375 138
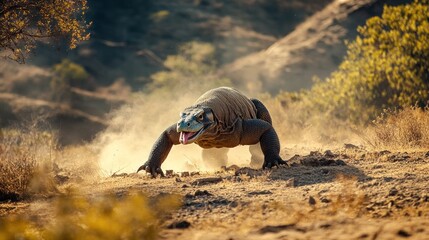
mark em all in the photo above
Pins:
pixel 108 217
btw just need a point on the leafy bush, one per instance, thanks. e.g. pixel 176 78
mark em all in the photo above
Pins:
pixel 132 217
pixel 159 16
pixel 386 66
pixel 400 129
pixel 68 74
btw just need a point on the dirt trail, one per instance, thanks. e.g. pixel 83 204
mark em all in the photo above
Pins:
pixel 342 194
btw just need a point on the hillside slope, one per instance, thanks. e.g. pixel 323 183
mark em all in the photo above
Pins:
pixel 315 48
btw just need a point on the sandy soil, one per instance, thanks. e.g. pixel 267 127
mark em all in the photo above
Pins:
pixel 347 193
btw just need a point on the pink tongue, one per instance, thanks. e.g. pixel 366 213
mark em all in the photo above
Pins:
pixel 185 136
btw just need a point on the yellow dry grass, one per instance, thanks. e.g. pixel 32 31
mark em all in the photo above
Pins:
pixel 402 129
pixel 24 154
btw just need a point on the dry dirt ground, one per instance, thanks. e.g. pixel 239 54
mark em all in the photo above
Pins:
pixel 348 193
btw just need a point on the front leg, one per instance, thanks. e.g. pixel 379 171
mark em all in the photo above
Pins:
pixel 256 130
pixel 160 151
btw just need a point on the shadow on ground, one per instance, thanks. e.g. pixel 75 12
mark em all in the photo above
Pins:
pixel 311 169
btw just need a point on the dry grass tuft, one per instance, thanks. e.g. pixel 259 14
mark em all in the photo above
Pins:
pixel 406 128
pixel 24 154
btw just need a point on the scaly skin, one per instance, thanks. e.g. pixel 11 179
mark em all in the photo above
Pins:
pixel 222 117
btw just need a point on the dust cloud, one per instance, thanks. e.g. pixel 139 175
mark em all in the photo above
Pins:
pixel 125 145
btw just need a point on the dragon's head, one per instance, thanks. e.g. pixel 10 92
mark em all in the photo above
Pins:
pixel 193 123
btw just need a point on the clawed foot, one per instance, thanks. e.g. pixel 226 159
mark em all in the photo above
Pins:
pixel 276 162
pixel 152 169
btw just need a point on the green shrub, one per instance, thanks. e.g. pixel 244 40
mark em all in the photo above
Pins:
pixel 159 16
pixel 386 67
pixel 67 74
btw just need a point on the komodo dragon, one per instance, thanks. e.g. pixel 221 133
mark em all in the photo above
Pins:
pixel 220 118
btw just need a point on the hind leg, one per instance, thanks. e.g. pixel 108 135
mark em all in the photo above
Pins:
pixel 214 158
pixel 262 113
pixel 257 130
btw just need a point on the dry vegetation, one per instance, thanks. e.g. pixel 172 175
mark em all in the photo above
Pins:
pixel 348 192
pixel 25 155
pixel 105 217
pixel 400 129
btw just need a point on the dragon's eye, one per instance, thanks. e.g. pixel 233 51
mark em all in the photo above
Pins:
pixel 200 117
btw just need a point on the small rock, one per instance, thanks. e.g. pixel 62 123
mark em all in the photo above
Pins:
pixel 328 153
pixel 377 166
pixel 169 173
pixel 184 174
pixel 195 173
pixel 327 162
pixel 314 153
pixel 388 179
pixel 202 193
pixel 410 175
pixel 403 233
pixel 393 191
pixel 295 157
pixel 340 162
pixel 384 152
pixel 233 168
pixel 120 175
pixel 178 179
pixel 294 164
pixel 179 225
pixel 322 191
pixel 249 172
pixel 325 199
pixel 311 200
pixel 350 146
pixel 311 162
pixel 325 225
pixel 364 236
pixel 263 192
pixel 185 186
pixel 233 204
pixel 205 181
pixel 275 229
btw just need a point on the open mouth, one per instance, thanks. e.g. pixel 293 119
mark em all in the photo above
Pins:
pixel 189 137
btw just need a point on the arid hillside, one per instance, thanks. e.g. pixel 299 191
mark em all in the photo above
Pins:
pixel 314 48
